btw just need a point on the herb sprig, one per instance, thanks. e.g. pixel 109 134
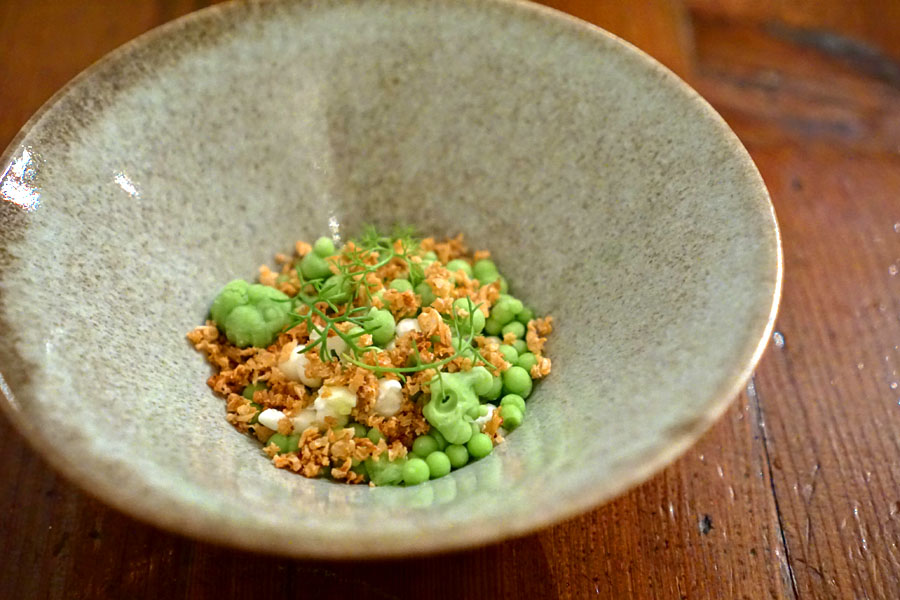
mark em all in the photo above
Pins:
pixel 367 254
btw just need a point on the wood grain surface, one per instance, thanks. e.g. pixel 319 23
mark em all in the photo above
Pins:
pixel 795 493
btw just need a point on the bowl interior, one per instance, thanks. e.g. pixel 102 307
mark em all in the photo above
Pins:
pixel 610 195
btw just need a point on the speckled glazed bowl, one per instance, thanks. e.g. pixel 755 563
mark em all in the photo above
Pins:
pixel 612 197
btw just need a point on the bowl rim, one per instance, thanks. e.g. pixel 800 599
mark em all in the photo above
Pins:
pixel 216 529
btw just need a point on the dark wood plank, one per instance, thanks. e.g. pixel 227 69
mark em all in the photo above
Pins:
pixel 705 528
pixel 825 136
pixel 834 26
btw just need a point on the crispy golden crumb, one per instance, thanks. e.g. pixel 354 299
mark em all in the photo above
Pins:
pixel 544 326
pixel 432 324
pixel 492 427
pixel 446 251
pixel 341 471
pixel 267 276
pixel 285 427
pixel 262 433
pixel 335 450
pixel 533 340
pixel 541 368
pixel 404 427
pixel 271 450
pixel 401 304
pixel 490 350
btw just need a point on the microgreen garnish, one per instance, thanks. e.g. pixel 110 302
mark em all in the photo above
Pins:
pixel 351 266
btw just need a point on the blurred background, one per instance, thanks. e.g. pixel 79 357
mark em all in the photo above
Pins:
pixel 795 493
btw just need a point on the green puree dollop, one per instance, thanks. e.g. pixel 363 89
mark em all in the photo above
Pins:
pixel 453 395
pixel 250 315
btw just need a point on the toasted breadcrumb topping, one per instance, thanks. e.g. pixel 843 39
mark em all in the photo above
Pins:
pixel 337 451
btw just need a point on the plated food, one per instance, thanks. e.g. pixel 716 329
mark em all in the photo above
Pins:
pixel 391 360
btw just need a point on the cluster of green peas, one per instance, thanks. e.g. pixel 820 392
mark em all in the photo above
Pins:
pixel 509 316
pixel 432 456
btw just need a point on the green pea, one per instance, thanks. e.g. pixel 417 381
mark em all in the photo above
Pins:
pixel 488 278
pixel 458 455
pixel 252 389
pixel 515 328
pixel 479 445
pixel 515 305
pixel 492 326
pixel 476 428
pixel 496 389
pixel 525 315
pixel 504 285
pixel 255 418
pixel 313 266
pixel 513 400
pixel 359 430
pixel 381 325
pixel 512 416
pixel 280 440
pixel 336 289
pixel 355 331
pixel 462 346
pixel 424 291
pixel 475 318
pixel 340 422
pixel 324 247
pixel 285 443
pixel 384 471
pixel 459 265
pixel 485 266
pixel 429 256
pixel 520 346
pixel 438 464
pixel 517 380
pixel 438 437
pixel 415 471
pixel 401 285
pixel 526 361
pixel 424 445
pixel 485 271
pixel 474 412
pixel 502 312
pixel 509 353
pixel 374 435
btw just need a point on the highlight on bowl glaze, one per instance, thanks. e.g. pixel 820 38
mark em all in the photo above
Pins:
pixel 613 197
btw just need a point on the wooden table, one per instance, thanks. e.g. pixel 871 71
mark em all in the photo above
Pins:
pixel 794 493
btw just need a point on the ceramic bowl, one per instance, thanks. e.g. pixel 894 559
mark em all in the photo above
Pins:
pixel 611 195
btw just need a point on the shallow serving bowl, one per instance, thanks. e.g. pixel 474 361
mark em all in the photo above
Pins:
pixel 611 195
